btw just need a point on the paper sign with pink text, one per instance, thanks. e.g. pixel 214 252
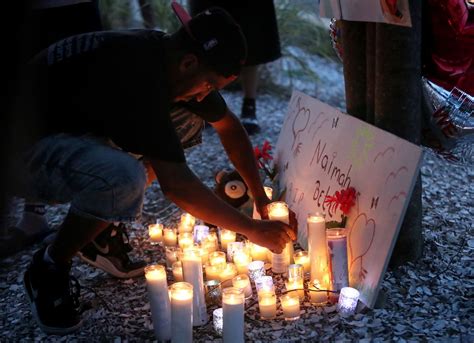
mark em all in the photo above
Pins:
pixel 321 150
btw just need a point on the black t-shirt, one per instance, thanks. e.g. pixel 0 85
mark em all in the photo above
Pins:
pixel 113 84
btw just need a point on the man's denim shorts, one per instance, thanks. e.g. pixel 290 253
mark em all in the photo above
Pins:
pixel 99 180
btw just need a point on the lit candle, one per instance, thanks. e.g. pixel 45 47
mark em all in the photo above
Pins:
pixel 301 257
pixel 264 283
pixel 187 223
pixel 242 281
pixel 267 304
pixel 233 305
pixel 185 240
pixel 210 242
pixel 241 260
pixel 213 272
pixel 228 272
pixel 217 258
pixel 171 254
pixel 269 194
pixel 295 285
pixel 177 271
pixel 290 303
pixel 159 301
pixel 256 269
pixel 181 294
pixel 169 237
pixel 278 210
pixel 226 237
pixel 232 248
pixel 192 273
pixel 200 233
pixel 315 295
pixel 295 271
pixel 155 231
pixel 204 254
pixel 337 250
pixel 348 298
pixel 317 248
pixel 217 320
pixel 258 253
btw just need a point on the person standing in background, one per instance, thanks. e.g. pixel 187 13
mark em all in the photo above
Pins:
pixel 258 22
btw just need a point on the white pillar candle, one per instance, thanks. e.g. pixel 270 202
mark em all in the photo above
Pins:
pixel 278 210
pixel 241 260
pixel 177 271
pixel 256 270
pixel 228 272
pixel 233 306
pixel 185 240
pixel 217 320
pixel 159 301
pixel 192 273
pixel 348 298
pixel 316 296
pixel 317 248
pixel 242 281
pixel 264 283
pixel 155 231
pixel 297 285
pixel 181 294
pixel 269 194
pixel 258 252
pixel 226 237
pixel 169 237
pixel 290 303
pixel 200 233
pixel 337 250
pixel 171 254
pixel 267 304
pixel 302 257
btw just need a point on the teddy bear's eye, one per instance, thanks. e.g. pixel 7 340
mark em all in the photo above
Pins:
pixel 235 189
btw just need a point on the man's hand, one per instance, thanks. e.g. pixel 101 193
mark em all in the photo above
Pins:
pixel 271 234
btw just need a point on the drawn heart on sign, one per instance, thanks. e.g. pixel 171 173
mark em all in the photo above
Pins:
pixel 300 122
pixel 362 231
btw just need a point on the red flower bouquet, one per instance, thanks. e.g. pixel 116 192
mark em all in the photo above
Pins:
pixel 264 160
pixel 343 200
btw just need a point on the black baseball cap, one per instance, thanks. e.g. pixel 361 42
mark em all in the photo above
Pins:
pixel 219 38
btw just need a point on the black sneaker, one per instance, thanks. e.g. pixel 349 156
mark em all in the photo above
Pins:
pixel 109 253
pixel 54 296
pixel 249 117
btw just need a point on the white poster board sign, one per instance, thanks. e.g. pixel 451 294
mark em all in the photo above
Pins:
pixel 395 12
pixel 321 150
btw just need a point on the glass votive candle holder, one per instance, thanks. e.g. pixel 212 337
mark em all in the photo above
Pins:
pixel 242 281
pixel 348 298
pixel 217 320
pixel 290 303
pixel 213 291
pixel 185 240
pixel 169 237
pixel 258 252
pixel 210 242
pixel 267 305
pixel 256 270
pixel 265 283
pixel 226 236
pixel 155 232
pixel 200 233
pixel 228 272
pixel 187 223
pixel 232 248
pixel 302 258
pixel 217 259
pixel 177 269
pixel 296 285
pixel 295 271
pixel 171 254
pixel 213 272
pixel 241 260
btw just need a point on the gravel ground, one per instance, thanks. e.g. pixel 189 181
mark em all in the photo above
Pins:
pixel 427 301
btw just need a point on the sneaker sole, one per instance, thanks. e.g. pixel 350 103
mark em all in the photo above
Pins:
pixel 50 330
pixel 107 266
